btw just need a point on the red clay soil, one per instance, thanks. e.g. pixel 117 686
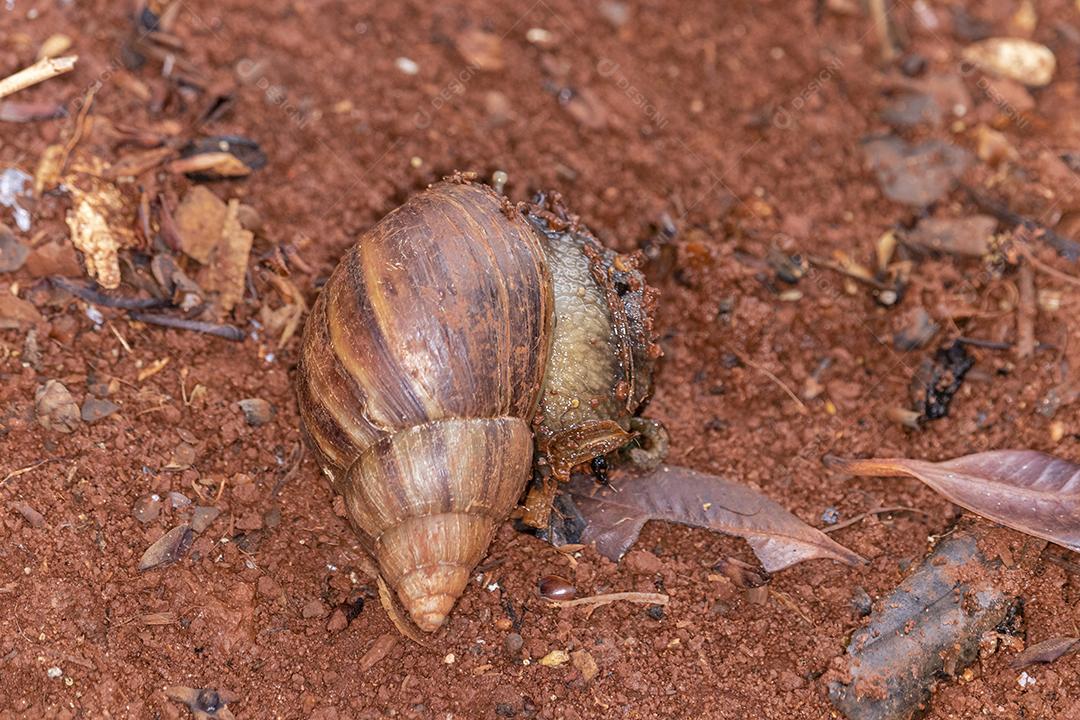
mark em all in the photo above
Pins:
pixel 740 121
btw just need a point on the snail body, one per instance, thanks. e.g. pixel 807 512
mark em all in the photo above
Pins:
pixel 426 380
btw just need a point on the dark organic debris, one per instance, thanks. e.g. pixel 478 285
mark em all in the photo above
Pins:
pixel 916 175
pixel 204 703
pixel 256 411
pixel 1065 247
pixel 90 295
pixel 938 380
pixel 931 624
pixel 614 515
pixel 553 587
pixel 1026 490
pixel 169 548
pixel 229 332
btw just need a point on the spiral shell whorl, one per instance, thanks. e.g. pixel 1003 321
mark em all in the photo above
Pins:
pixel 420 372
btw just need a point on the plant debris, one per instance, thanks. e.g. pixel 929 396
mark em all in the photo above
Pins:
pixel 169 548
pixel 614 515
pixel 1026 490
pixel 1046 651
pixel 937 380
pixel 56 409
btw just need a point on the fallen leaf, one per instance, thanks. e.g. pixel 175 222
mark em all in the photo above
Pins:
pixel 378 650
pixel 1022 60
pixel 199 219
pixel 614 517
pixel 916 175
pixel 1025 490
pixel 227 268
pixel 1045 652
pixel 101 223
pixel 169 548
pixel 12 252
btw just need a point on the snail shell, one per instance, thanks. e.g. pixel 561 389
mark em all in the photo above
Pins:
pixel 423 367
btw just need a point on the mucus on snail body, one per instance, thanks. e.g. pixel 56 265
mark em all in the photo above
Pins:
pixel 462 345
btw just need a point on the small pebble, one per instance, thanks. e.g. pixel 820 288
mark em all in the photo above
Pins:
pixel 338 621
pixel 407 66
pixel 656 612
pixel 831 516
pixel 55 672
pixel 256 411
pixel 861 602
pixel 555 658
pixel 13 253
pixel 513 644
pixel 913 65
pixel 313 609
pixel 449 659
pixel 203 517
pixel 147 508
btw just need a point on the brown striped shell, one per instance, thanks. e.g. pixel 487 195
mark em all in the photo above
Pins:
pixel 420 372
pixel 441 351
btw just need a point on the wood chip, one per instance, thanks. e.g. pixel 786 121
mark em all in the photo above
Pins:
pixel 199 220
pixel 227 268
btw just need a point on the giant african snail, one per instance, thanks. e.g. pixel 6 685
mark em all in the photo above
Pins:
pixel 457 335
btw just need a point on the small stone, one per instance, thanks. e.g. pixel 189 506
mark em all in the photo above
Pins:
pixel 656 612
pixel 555 658
pixel 268 588
pixel 407 66
pixel 449 659
pixel 338 621
pixel 917 330
pixel 861 602
pixel 29 514
pixel 147 508
pixel 203 517
pixel 513 644
pixel 831 516
pixel 643 561
pixel 13 253
pixel 94 409
pixel 585 664
pixel 913 64
pixel 1022 60
pixel 54 672
pixel 256 411
pixel 314 608
pixel 56 409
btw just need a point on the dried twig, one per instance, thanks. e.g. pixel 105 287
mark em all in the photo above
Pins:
pixel 880 15
pixel 1039 265
pixel 1025 313
pixel 596 600
pixel 90 295
pixel 229 332
pixel 767 373
pixel 40 71
pixel 24 470
pixel 1068 249
pixel 877 511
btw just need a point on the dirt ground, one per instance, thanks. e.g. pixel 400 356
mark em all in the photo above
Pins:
pixel 708 133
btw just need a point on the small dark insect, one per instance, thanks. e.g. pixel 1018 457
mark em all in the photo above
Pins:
pixel 599 467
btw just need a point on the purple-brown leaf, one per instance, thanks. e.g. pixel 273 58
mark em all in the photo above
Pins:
pixel 1025 490
pixel 1045 652
pixel 614 517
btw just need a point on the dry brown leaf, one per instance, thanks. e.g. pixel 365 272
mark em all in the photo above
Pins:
pixel 47 174
pixel 614 517
pixel 199 219
pixel 1045 652
pixel 169 548
pixel 1026 490
pixel 227 269
pixel 101 222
